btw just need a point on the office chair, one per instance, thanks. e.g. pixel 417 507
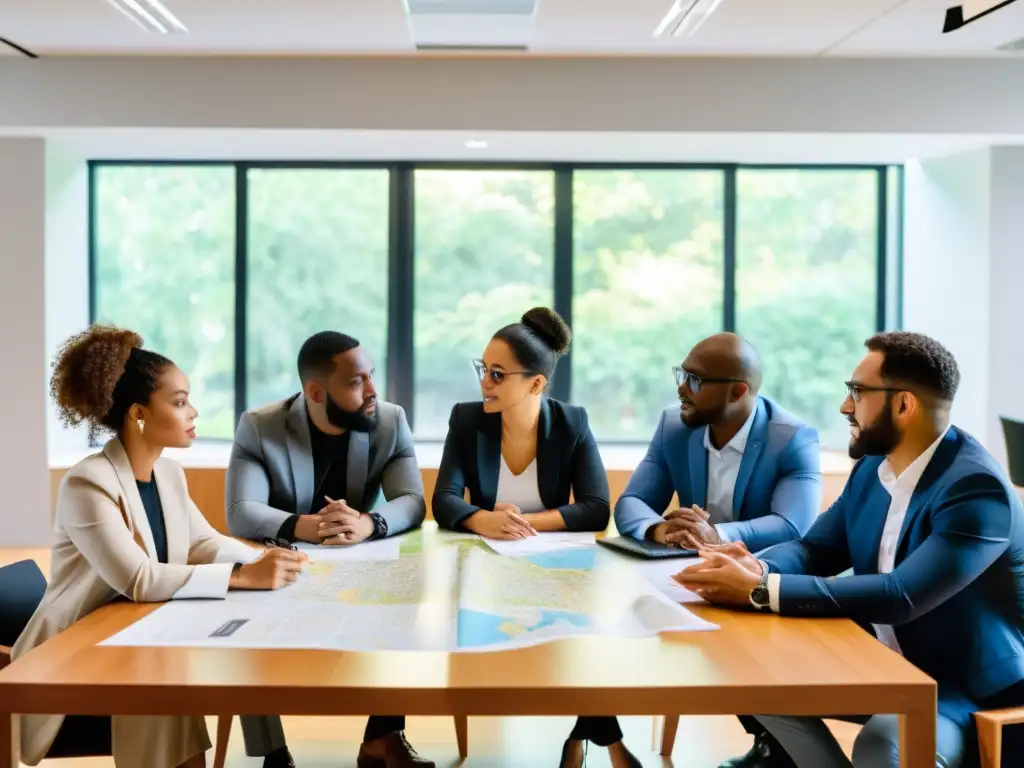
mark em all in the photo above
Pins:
pixel 22 586
pixel 1013 432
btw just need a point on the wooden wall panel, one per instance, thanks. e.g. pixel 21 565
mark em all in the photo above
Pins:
pixel 207 488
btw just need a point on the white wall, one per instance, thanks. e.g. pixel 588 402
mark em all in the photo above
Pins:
pixel 1006 269
pixel 946 269
pixel 964 275
pixel 24 509
pixel 67 272
pixel 513 93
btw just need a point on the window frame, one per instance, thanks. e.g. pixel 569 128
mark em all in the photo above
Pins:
pixel 399 355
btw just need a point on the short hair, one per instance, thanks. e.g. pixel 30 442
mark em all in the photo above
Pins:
pixel 316 356
pixel 100 373
pixel 538 340
pixel 917 360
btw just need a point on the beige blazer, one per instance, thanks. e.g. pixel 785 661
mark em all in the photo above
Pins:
pixel 104 548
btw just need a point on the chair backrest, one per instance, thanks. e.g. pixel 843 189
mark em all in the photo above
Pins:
pixel 22 586
pixel 1013 432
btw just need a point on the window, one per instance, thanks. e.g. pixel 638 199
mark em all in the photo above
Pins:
pixel 806 284
pixel 164 266
pixel 424 263
pixel 317 260
pixel 647 285
pixel 484 255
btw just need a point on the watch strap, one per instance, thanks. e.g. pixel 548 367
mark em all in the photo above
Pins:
pixel 380 526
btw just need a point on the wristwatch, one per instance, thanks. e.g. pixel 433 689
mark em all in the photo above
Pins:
pixel 759 596
pixel 380 526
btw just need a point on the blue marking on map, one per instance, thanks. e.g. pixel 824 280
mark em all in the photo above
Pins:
pixel 478 629
pixel 572 559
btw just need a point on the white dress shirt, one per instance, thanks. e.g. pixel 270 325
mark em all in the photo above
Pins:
pixel 723 469
pixel 901 489
pixel 520 490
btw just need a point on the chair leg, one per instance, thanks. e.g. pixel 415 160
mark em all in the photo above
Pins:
pixel 220 754
pixel 668 735
pixel 990 742
pixel 462 734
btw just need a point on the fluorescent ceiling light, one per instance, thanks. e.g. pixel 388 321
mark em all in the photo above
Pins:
pixel 476 144
pixel 685 17
pixel 151 15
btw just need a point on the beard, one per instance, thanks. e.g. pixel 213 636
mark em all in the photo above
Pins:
pixel 355 421
pixel 700 417
pixel 877 439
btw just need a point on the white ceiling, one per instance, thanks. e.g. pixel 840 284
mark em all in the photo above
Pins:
pixel 333 27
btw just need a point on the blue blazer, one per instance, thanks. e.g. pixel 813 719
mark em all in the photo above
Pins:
pixel 568 463
pixel 956 595
pixel 778 488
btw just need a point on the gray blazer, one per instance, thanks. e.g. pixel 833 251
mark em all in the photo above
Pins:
pixel 270 473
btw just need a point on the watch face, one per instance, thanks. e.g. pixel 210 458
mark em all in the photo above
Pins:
pixel 759 596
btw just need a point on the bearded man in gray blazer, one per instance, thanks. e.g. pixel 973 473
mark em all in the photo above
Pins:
pixel 312 468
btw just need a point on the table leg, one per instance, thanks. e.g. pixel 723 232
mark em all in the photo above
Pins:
pixel 10 754
pixel 664 734
pixel 917 739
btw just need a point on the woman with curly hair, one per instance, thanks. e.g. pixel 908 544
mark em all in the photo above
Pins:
pixel 127 528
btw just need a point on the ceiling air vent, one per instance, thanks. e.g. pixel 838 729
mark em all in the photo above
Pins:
pixel 471 25
pixel 472 7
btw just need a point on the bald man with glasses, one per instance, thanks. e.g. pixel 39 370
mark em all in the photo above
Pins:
pixel 744 469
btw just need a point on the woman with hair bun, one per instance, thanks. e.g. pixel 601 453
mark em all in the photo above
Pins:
pixel 521 455
pixel 126 527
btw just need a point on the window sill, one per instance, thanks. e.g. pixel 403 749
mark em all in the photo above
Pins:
pixel 214 455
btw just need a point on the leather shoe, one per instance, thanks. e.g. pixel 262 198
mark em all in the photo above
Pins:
pixel 766 753
pixel 391 751
pixel 279 758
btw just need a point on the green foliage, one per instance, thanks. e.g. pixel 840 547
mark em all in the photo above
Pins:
pixel 648 278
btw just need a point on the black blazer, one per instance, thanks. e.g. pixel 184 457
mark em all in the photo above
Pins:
pixel 567 462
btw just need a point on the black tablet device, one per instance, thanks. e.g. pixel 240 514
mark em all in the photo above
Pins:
pixel 646 549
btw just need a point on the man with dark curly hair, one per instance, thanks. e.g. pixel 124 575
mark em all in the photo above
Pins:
pixel 934 534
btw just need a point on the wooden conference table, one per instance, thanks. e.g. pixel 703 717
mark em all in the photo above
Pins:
pixel 754 663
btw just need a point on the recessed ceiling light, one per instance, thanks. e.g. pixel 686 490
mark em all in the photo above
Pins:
pixel 476 144
pixel 685 17
pixel 151 15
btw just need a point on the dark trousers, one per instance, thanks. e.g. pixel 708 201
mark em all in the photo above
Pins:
pixel 379 726
pixel 602 731
pixel 751 725
pixel 82 736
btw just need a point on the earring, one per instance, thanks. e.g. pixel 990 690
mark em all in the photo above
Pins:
pixel 142 426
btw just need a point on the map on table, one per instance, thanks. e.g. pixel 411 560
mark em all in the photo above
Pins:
pixel 427 591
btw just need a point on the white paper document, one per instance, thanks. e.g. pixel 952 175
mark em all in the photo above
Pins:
pixel 541 543
pixel 385 549
pixel 659 574
pixel 414 594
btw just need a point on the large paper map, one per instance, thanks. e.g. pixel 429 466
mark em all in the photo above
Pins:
pixel 426 591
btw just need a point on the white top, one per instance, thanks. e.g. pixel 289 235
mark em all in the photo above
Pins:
pixel 723 469
pixel 901 489
pixel 521 490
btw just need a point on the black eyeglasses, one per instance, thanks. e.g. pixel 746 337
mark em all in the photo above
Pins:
pixel 854 390
pixel 694 382
pixel 497 375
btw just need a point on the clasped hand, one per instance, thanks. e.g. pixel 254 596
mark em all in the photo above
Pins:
pixel 337 524
pixel 726 574
pixel 688 528
pixel 341 525
pixel 505 522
